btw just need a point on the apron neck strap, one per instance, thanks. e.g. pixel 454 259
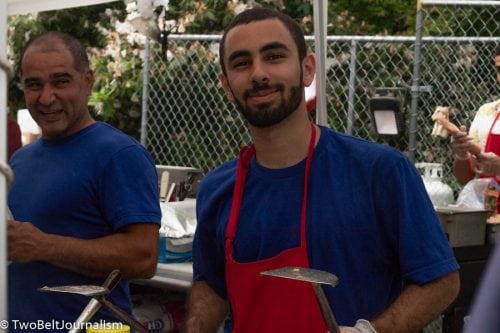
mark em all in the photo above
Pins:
pixel 245 156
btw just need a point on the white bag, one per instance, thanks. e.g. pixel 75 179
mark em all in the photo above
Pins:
pixel 472 195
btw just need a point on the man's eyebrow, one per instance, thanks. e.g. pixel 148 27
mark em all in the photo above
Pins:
pixel 274 46
pixel 30 80
pixel 52 77
pixel 267 47
pixel 59 75
pixel 237 54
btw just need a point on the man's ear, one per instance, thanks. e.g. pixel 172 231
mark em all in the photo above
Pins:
pixel 308 69
pixel 225 86
pixel 89 81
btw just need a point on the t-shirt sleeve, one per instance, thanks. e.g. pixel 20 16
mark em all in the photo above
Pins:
pixel 208 245
pixel 130 188
pixel 418 237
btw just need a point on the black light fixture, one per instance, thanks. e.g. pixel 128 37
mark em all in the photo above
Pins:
pixel 387 112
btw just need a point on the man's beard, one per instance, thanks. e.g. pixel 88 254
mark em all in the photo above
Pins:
pixel 265 115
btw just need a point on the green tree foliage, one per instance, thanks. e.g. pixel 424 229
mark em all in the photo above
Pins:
pixel 368 17
pixel 204 17
pixel 477 21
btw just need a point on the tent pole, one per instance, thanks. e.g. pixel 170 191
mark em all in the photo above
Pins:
pixel 320 16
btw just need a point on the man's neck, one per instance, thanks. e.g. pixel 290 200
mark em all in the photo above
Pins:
pixel 284 144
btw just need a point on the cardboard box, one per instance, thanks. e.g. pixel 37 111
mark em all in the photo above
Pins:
pixel 463 226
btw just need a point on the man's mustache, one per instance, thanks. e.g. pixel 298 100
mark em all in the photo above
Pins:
pixel 260 87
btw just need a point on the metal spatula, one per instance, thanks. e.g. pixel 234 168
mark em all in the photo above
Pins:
pixel 98 294
pixel 85 290
pixel 316 278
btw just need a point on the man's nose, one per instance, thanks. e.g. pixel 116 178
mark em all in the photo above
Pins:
pixel 47 95
pixel 259 72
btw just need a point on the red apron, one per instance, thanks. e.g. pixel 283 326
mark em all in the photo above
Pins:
pixel 493 145
pixel 267 304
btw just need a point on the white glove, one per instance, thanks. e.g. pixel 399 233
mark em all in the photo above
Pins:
pixel 362 326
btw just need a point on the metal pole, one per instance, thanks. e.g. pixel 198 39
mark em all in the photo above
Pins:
pixel 145 94
pixel 320 19
pixel 3 157
pixel 415 87
pixel 352 87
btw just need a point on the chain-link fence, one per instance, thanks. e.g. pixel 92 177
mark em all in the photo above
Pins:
pixel 190 122
pixel 454 48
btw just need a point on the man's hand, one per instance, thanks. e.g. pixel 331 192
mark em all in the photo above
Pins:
pixel 23 241
pixel 206 309
pixel 461 143
pixel 487 164
pixel 362 326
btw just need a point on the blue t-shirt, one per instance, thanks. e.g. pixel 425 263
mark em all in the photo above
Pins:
pixel 369 222
pixel 88 185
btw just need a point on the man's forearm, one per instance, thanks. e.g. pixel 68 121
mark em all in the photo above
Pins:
pixel 462 169
pixel 206 310
pixel 133 251
pixel 418 305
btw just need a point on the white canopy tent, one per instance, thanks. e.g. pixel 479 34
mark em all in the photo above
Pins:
pixel 13 7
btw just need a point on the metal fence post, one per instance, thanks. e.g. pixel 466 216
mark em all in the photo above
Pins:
pixel 415 87
pixel 145 94
pixel 352 86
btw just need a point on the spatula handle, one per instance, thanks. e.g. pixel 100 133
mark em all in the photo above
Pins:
pixel 331 323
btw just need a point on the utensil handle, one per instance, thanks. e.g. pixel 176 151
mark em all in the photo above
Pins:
pixel 123 316
pixel 90 310
pixel 112 280
pixel 331 323
pixel 94 305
